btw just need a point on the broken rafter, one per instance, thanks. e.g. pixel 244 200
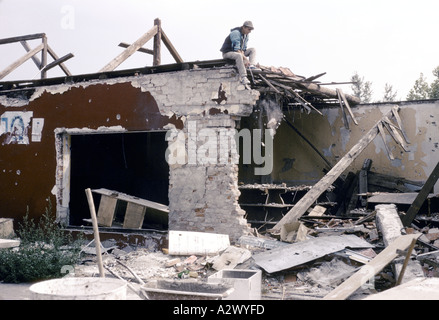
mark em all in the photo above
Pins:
pixel 394 131
pixel 312 195
pixel 171 48
pixel 42 65
pixel 113 64
pixel 20 61
pixel 346 104
pixel 296 96
pixel 284 77
pixel 158 34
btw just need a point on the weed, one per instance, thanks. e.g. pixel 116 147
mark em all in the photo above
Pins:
pixel 45 248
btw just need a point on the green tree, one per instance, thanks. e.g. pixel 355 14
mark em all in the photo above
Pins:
pixel 434 87
pixel 420 91
pixel 389 94
pixel 361 89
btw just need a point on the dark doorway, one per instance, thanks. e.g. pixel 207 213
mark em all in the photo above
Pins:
pixel 131 163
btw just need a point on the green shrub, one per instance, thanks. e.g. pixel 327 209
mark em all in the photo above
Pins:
pixel 45 248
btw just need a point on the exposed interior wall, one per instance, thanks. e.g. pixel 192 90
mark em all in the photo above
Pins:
pixel 296 162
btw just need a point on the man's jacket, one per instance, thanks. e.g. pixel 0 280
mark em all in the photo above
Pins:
pixel 235 41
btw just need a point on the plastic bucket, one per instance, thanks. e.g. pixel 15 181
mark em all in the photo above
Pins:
pixel 87 288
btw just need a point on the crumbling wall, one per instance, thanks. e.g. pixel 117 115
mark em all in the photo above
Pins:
pixel 330 136
pixel 34 162
pixel 203 191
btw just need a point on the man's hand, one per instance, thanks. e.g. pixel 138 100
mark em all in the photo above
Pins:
pixel 246 61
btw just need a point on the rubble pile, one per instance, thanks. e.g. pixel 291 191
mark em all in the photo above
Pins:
pixel 310 260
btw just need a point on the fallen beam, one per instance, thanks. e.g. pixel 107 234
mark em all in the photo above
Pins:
pixel 369 270
pixel 422 196
pixel 312 195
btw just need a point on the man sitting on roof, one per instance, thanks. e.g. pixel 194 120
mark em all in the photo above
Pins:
pixel 235 48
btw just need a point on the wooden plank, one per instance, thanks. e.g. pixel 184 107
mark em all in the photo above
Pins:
pixel 423 194
pixel 58 61
pixel 346 104
pixel 157 56
pixel 20 61
pixel 368 271
pixel 343 113
pixel 44 59
pixel 61 65
pixel 269 83
pixel 318 211
pixel 107 206
pixel 144 50
pixel 314 77
pixel 128 198
pixel 312 195
pixel 397 198
pixel 406 261
pixel 316 88
pixel 381 131
pixel 134 216
pixel 22 38
pixel 393 130
pixel 34 58
pixel 362 181
pixel 113 64
pixel 379 181
pixel 95 231
pixel 398 120
pixel 172 50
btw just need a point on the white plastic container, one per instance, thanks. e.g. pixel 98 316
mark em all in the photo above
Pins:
pixel 247 283
pixel 87 288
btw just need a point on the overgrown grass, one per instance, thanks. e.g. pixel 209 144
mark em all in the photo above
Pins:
pixel 45 248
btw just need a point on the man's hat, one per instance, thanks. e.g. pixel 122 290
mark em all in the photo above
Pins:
pixel 248 24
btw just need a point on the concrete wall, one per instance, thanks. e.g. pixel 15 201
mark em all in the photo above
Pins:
pixel 328 134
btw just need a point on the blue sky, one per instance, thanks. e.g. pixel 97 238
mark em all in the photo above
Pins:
pixel 385 41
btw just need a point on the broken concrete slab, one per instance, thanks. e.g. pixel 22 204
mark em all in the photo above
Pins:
pixel 196 243
pixel 7 228
pixel 302 252
pixel 390 225
pixel 388 222
pixel 8 243
pixel 231 257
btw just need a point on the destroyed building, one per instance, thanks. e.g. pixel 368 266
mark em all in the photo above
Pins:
pixel 187 147
pixel 157 144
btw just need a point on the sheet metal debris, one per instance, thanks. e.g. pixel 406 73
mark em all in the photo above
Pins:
pixel 302 252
